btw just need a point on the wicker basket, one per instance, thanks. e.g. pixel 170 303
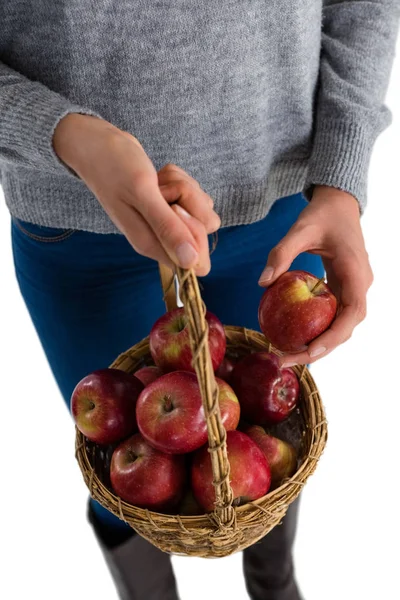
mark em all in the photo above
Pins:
pixel 228 529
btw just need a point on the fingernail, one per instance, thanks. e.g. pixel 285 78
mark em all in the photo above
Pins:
pixel 286 365
pixel 317 351
pixel 186 255
pixel 182 211
pixel 266 275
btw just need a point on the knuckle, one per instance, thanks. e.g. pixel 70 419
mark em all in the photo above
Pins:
pixel 278 253
pixel 180 189
pixel 145 248
pixel 164 228
pixel 339 335
pixel 208 201
pixel 213 224
pixel 341 338
pixel 183 187
pixel 361 311
pixel 171 167
pixel 142 183
pixel 370 277
pixel 347 337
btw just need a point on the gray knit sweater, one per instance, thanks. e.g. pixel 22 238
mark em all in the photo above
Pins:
pixel 256 99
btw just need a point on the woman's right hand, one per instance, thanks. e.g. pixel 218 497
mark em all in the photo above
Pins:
pixel 165 216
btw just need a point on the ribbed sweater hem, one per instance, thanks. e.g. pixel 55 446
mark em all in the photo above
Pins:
pixel 32 199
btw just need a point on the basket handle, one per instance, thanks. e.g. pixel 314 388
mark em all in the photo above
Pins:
pixel 198 331
pixel 167 277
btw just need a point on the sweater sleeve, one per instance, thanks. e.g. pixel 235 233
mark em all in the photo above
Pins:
pixel 29 114
pixel 358 45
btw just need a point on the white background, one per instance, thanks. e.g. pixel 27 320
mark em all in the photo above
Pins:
pixel 348 538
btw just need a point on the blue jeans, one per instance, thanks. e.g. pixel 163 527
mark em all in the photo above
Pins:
pixel 92 296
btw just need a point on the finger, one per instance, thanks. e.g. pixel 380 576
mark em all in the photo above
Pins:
pixel 193 200
pixel 338 333
pixel 171 172
pixel 172 232
pixel 354 291
pixel 200 235
pixel 139 234
pixel 297 240
pixel 332 279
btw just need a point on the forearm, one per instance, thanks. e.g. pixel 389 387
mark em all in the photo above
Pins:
pixel 29 114
pixel 358 44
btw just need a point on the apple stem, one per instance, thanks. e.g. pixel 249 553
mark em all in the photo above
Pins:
pixel 317 284
pixel 132 456
pixel 168 406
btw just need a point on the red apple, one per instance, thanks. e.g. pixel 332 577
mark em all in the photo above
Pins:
pixel 225 369
pixel 145 477
pixel 170 412
pixel 296 309
pixel 281 456
pixel 103 405
pixel 170 344
pixel 267 393
pixel 250 474
pixel 148 374
pixel 228 405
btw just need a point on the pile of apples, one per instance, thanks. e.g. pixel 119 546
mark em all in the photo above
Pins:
pixel 154 421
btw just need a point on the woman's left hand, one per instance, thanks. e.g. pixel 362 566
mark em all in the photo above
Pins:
pixel 328 226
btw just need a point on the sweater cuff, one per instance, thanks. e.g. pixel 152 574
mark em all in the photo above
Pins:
pixel 340 158
pixel 29 127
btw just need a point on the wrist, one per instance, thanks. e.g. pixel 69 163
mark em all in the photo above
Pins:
pixel 326 195
pixel 74 136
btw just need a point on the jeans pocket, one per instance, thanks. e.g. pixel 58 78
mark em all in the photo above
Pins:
pixel 39 233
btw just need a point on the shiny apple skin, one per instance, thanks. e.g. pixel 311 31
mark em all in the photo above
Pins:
pixel 291 315
pixel 145 477
pixel 170 343
pixel 250 474
pixel 225 369
pixel 280 455
pixel 228 404
pixel 103 405
pixel 267 393
pixel 148 374
pixel 170 412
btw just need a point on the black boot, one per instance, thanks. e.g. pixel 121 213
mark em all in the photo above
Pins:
pixel 268 564
pixel 140 571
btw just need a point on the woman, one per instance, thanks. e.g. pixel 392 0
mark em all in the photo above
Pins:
pixel 167 122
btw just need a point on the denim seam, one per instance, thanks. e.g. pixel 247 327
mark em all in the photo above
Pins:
pixel 58 238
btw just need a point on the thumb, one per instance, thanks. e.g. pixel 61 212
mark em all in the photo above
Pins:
pixel 283 254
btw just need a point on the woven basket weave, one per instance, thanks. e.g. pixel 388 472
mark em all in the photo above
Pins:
pixel 229 528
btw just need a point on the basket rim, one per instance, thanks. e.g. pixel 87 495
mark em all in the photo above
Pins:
pixel 289 487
